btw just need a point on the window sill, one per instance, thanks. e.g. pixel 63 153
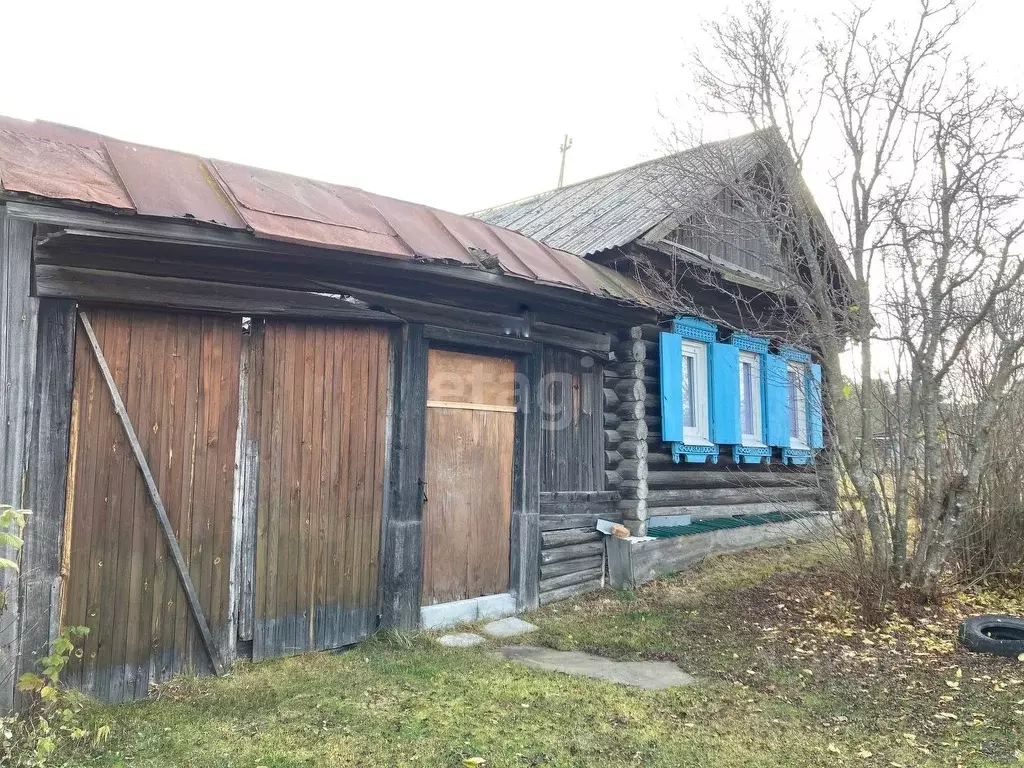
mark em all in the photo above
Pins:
pixel 695 440
pixel 747 443
pixel 798 445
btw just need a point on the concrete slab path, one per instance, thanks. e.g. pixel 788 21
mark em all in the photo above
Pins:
pixel 510 627
pixel 654 675
pixel 460 640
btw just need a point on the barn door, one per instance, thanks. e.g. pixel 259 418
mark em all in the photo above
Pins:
pixel 177 379
pixel 319 411
pixel 470 440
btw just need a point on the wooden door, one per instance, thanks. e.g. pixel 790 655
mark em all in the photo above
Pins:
pixel 471 417
pixel 319 416
pixel 178 378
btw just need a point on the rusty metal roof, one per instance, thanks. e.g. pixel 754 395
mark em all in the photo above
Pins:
pixel 73 165
pixel 615 209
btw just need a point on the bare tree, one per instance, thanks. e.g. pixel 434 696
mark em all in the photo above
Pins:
pixel 927 268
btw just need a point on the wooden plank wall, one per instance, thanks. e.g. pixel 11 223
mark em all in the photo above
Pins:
pixel 573 494
pixel 322 429
pixel 178 377
pixel 725 489
pixel 18 324
pixel 572 456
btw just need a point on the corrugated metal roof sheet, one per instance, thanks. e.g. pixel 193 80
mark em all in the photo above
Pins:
pixel 613 210
pixel 68 164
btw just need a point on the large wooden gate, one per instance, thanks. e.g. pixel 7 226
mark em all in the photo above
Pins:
pixel 321 416
pixel 155 436
pixel 178 378
pixel 470 440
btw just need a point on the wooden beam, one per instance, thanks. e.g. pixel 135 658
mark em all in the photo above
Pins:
pixel 45 491
pixel 401 566
pixel 128 229
pixel 484 341
pixel 175 293
pixel 161 513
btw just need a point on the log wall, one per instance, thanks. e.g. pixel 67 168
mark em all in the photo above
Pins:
pixel 706 491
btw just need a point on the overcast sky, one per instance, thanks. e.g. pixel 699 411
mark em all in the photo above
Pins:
pixel 457 105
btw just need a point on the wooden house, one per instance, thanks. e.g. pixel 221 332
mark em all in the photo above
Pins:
pixel 256 415
pixel 713 421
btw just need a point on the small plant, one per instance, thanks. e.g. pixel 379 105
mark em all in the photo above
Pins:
pixel 11 518
pixel 51 721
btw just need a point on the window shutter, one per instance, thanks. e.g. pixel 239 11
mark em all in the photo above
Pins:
pixel 724 394
pixel 671 374
pixel 814 430
pixel 776 398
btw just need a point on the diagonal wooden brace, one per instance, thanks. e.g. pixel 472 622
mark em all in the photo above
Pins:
pixel 194 605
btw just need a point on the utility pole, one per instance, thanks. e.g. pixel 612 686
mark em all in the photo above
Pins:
pixel 566 144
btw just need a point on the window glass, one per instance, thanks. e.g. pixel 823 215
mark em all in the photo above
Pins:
pixel 797 404
pixel 747 396
pixel 689 406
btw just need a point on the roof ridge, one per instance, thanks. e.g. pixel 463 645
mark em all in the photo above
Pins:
pixel 539 195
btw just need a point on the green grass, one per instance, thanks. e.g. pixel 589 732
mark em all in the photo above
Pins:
pixel 778 687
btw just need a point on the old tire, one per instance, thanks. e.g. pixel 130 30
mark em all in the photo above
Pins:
pixel 1001 635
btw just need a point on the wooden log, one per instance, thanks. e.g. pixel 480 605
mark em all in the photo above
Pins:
pixel 612 438
pixel 549 498
pixel 630 352
pixel 568 537
pixel 565 592
pixel 633 469
pixel 572 552
pixel 630 334
pixel 716 511
pixel 611 420
pixel 612 458
pixel 630 390
pixel 651 332
pixel 630 370
pixel 631 411
pixel 737 478
pixel 708 496
pixel 570 566
pixel 633 429
pixel 633 509
pixel 633 489
pixel 611 478
pixel 610 398
pixel 569 579
pixel 579 521
pixel 633 449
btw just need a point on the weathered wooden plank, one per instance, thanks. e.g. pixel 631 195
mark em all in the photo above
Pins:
pixel 525 571
pixel 18 319
pixel 172 543
pixel 562 538
pixel 569 579
pixel 572 552
pixel 401 568
pixel 562 522
pixel 182 294
pixel 45 492
pixel 571 591
pixel 250 407
pixel 562 567
pixel 547 498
